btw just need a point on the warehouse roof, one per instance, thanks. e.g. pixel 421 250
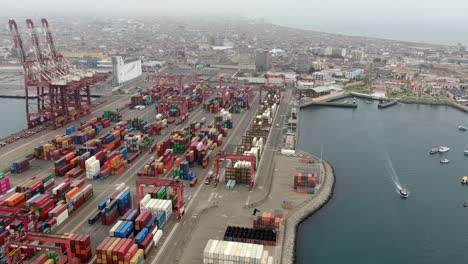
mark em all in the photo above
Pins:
pixel 323 89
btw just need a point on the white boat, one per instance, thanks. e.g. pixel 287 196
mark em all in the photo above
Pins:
pixel 464 180
pixel 403 193
pixel 465 152
pixel 443 149
pixel 444 161
pixel 434 151
pixel 462 128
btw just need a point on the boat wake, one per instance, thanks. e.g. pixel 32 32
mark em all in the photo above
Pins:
pixel 393 175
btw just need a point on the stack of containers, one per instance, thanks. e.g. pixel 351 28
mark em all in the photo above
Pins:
pixel 70 130
pixel 93 168
pixel 217 251
pixel 110 213
pixel 60 213
pixel 162 209
pixel 60 190
pixel 182 170
pixel 35 185
pixel 118 250
pixel 165 145
pixel 40 205
pixel 112 116
pixel 4 183
pixel 132 142
pixel 77 196
pixel 306 183
pixel 116 163
pixel 180 141
pixel 268 220
pixel 265 237
pixel 20 166
pixel 81 246
pixel 43 152
pixel 124 202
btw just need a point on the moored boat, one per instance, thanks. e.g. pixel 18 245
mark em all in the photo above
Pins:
pixel 443 149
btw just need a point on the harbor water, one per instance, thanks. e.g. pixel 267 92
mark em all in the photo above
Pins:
pixel 12 116
pixel 366 221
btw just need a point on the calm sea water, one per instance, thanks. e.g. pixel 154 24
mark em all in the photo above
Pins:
pixel 367 221
pixel 12 116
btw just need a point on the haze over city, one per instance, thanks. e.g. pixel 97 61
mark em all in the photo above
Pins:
pixel 431 21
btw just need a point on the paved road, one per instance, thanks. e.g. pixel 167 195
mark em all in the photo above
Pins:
pixel 180 233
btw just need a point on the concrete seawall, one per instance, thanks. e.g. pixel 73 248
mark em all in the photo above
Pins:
pixel 304 210
pixel 438 102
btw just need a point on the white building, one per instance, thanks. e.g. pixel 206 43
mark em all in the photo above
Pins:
pixel 319 76
pixel 124 71
pixel 353 73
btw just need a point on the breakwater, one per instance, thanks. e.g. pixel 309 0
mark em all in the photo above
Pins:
pixel 304 210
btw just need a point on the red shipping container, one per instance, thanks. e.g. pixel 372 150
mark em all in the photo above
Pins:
pixel 101 246
pixel 131 251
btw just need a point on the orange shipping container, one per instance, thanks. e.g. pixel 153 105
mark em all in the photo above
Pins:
pixel 71 193
pixel 70 156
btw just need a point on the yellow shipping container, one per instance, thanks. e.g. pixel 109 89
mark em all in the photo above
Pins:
pixel 137 255
pixel 109 249
pixel 49 261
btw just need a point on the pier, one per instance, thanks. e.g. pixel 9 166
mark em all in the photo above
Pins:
pixel 333 104
pixel 384 104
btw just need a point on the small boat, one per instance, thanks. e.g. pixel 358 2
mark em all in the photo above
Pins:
pixel 464 204
pixel 434 151
pixel 368 102
pixel 443 149
pixel 464 180
pixel 465 152
pixel 444 161
pixel 403 193
pixel 462 128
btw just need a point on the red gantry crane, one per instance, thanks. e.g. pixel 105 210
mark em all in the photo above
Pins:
pixel 178 186
pixel 56 92
pixel 235 157
pixel 15 246
pixel 270 87
pixel 270 76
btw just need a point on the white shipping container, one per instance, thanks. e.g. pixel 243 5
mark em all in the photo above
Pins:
pixel 157 237
pixel 114 228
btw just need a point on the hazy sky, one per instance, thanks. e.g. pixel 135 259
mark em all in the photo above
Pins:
pixel 380 18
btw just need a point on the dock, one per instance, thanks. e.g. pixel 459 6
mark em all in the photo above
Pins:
pixel 387 104
pixel 332 104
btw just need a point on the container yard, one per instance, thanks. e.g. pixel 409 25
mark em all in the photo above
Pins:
pixel 139 177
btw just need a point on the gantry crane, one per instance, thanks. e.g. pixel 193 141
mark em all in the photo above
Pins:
pixel 304 79
pixel 56 92
pixel 231 80
pixel 15 246
pixel 177 185
pixel 235 157
pixel 269 76
pixel 16 214
pixel 174 81
pixel 268 88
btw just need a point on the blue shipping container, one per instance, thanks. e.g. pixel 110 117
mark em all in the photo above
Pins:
pixel 141 236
